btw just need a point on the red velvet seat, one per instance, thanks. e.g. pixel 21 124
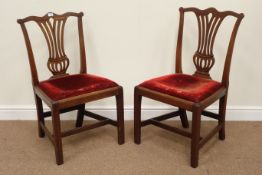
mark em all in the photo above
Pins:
pixel 184 86
pixel 74 85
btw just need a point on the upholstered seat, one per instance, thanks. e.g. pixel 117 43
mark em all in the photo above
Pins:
pixel 184 86
pixel 73 85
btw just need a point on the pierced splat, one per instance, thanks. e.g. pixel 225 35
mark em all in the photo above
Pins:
pixel 53 28
pixel 208 25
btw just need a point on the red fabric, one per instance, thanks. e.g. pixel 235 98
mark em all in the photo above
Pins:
pixel 183 86
pixel 74 85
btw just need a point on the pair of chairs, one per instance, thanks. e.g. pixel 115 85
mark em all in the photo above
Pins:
pixel 63 92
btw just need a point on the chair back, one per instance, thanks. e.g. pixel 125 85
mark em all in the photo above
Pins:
pixel 209 21
pixel 52 25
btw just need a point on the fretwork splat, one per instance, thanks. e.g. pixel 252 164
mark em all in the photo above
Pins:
pixel 53 29
pixel 208 25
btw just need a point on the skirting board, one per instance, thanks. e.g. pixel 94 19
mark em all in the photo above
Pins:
pixel 234 113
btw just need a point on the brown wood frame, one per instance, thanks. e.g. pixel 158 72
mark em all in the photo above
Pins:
pixel 202 55
pixel 73 103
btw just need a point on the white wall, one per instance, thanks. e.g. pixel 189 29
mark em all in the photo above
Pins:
pixel 130 41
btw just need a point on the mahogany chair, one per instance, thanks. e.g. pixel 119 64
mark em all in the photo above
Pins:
pixel 191 92
pixel 64 92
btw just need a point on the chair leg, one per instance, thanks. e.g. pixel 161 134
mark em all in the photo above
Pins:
pixel 183 118
pixel 120 117
pixel 80 116
pixel 137 117
pixel 196 121
pixel 57 135
pixel 222 114
pixel 40 115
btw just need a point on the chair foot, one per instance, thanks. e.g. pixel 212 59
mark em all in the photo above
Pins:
pixel 221 135
pixel 194 156
pixel 121 142
pixel 185 125
pixel 137 136
pixel 78 124
pixel 194 164
pixel 59 161
pixel 121 134
pixel 41 134
pixel 137 141
pixel 59 151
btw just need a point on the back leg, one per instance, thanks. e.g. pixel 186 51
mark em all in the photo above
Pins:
pixel 80 116
pixel 183 118
pixel 40 116
pixel 222 115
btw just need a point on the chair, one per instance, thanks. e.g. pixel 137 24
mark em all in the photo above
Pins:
pixel 191 92
pixel 63 92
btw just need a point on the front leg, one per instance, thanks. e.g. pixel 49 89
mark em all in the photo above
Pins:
pixel 196 121
pixel 120 116
pixel 137 117
pixel 57 135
